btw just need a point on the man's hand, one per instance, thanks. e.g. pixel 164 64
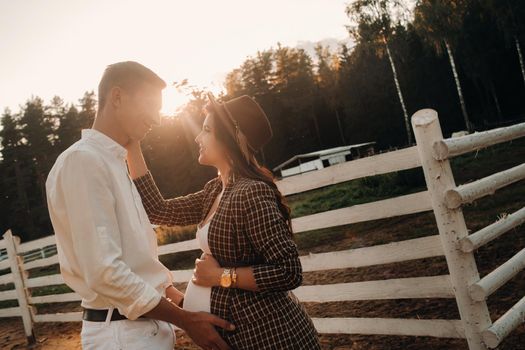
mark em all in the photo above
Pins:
pixel 199 327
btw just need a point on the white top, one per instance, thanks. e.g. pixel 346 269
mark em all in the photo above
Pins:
pixel 202 236
pixel 197 298
pixel 107 248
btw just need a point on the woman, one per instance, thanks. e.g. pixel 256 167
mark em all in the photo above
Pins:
pixel 250 262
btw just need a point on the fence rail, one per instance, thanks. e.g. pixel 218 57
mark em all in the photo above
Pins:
pixel 451 240
pixel 391 326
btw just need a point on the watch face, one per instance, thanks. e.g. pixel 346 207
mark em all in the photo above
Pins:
pixel 226 281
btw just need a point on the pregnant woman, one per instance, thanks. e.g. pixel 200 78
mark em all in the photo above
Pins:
pixel 250 262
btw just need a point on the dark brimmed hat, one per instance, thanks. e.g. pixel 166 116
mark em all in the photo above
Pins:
pixel 246 121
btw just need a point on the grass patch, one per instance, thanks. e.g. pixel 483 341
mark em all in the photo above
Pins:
pixel 358 191
pixel 174 234
pixel 49 290
pixel 44 271
pixel 8 303
pixel 181 260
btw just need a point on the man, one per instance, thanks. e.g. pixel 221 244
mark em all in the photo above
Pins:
pixel 106 245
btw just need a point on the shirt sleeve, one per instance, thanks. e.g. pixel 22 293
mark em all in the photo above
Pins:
pixel 90 208
pixel 270 235
pixel 183 210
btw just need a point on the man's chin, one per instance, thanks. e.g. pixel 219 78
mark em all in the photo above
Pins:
pixel 138 137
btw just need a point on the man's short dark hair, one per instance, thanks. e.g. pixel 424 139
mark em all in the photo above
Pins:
pixel 128 75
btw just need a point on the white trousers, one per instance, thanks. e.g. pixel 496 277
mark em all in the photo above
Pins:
pixel 142 333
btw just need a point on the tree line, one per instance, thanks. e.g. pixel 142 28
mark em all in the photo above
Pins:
pixel 460 57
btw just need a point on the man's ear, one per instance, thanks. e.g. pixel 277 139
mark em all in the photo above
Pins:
pixel 116 96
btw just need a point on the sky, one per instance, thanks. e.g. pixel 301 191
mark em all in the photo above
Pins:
pixel 50 47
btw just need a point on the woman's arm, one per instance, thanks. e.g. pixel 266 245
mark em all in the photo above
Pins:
pixel 270 235
pixel 183 210
pixel 136 164
pixel 208 273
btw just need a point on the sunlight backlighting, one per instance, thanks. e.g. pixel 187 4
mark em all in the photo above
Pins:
pixel 201 41
pixel 172 100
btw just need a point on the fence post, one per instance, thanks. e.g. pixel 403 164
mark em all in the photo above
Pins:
pixel 462 267
pixel 11 243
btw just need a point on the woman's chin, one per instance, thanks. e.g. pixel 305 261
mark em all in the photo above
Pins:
pixel 202 160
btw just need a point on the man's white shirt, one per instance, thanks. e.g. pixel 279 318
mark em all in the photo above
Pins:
pixel 107 248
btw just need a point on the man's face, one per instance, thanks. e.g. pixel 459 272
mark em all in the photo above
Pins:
pixel 139 111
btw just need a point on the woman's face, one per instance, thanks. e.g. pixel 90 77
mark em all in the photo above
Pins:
pixel 211 151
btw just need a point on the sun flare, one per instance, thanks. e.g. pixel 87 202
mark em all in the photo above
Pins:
pixel 172 100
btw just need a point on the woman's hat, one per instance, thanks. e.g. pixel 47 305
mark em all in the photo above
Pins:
pixel 246 121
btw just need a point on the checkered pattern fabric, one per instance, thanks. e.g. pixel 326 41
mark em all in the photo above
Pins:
pixel 247 229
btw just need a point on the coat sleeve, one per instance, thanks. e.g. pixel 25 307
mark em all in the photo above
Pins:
pixel 183 210
pixel 270 235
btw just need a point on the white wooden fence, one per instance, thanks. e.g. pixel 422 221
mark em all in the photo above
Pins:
pixel 452 240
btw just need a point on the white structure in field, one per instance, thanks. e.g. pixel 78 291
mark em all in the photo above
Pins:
pixel 306 162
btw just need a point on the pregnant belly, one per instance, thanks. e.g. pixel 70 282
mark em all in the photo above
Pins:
pixel 197 298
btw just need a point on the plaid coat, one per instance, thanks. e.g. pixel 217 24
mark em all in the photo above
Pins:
pixel 247 230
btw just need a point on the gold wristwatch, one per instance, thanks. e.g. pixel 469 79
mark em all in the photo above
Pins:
pixel 226 278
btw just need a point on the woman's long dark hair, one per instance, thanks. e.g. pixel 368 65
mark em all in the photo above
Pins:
pixel 251 170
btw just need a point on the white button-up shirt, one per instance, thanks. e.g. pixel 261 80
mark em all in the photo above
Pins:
pixel 107 248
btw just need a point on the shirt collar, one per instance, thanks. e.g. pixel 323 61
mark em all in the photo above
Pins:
pixel 105 141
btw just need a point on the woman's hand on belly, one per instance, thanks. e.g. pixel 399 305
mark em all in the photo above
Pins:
pixel 207 272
